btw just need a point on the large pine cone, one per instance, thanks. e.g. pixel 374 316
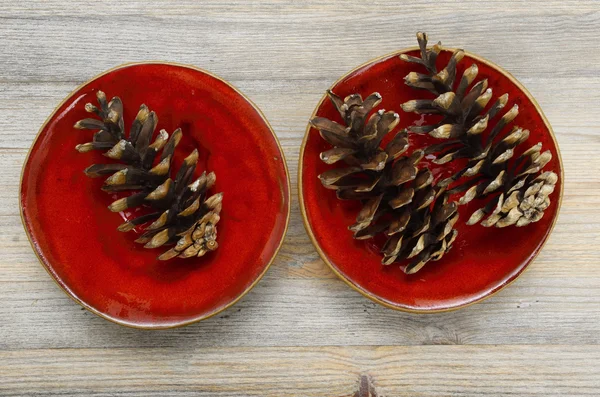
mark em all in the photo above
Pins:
pixel 183 214
pixel 397 195
pixel 472 131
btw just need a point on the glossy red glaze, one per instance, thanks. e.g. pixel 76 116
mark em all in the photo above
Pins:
pixel 482 260
pixel 75 235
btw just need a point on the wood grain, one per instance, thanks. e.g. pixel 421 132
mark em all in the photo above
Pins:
pixel 301 331
pixel 294 371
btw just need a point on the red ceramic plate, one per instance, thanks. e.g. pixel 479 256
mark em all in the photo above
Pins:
pixel 482 261
pixel 75 236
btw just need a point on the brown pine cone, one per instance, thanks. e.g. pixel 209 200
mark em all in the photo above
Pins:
pixel 472 132
pixel 183 214
pixel 397 195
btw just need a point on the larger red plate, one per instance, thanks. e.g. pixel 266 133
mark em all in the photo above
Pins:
pixel 75 236
pixel 482 260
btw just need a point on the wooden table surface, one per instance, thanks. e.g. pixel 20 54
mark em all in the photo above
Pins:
pixel 301 331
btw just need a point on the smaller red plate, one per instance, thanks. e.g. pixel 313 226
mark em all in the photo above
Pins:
pixel 74 234
pixel 482 261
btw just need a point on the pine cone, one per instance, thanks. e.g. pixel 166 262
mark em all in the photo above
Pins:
pixel 183 214
pixel 489 173
pixel 397 195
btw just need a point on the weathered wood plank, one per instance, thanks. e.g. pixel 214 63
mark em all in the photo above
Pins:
pixel 313 312
pixel 325 371
pixel 283 40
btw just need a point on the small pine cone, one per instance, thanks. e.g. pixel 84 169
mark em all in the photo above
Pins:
pixel 183 212
pixel 397 195
pixel 471 132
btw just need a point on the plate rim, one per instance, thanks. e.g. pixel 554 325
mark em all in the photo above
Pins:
pixel 369 294
pixel 175 324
